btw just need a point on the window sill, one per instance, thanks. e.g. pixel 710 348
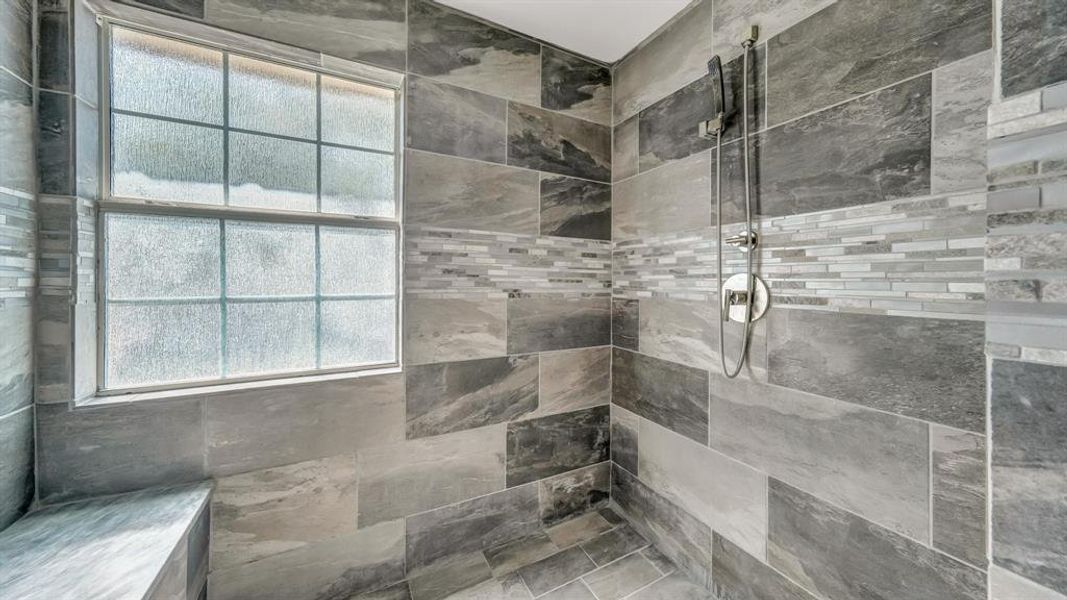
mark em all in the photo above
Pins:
pixel 226 388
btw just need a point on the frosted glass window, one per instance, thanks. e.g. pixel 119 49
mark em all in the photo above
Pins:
pixel 270 337
pixel 272 98
pixel 358 261
pixel 148 344
pixel 269 259
pixel 161 257
pixel 358 183
pixel 164 160
pixel 271 172
pixel 358 332
pixel 355 114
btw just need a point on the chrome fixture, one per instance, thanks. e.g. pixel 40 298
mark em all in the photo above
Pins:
pixel 744 296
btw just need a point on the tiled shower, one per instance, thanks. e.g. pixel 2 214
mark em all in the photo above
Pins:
pixel 557 424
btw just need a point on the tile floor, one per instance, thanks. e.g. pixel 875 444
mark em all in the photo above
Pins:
pixel 596 556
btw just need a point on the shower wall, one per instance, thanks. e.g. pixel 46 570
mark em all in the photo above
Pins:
pixel 848 460
pixel 497 424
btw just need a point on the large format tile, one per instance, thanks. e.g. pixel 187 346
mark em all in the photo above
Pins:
pixel 444 191
pixel 1029 423
pixel 547 446
pixel 573 380
pixel 673 587
pixel 511 556
pixel 16 39
pixel 575 86
pixel 733 17
pixel 575 590
pixel 113 449
pixel 451 329
pixel 450 120
pixel 625 323
pixel 16 465
pixel 624 151
pixel 418 475
pixel 1005 585
pixel 931 369
pixel 53 52
pixel 556 570
pixel 667 393
pixel 839 555
pixel 855 46
pixel 264 428
pixel 456 49
pixel 540 323
pixel 624 441
pixel 621 578
pixel 962 93
pixel 448 397
pixel 570 494
pixel 575 208
pixel 869 462
pixel 727 495
pixel 959 493
pixel 1033 41
pixel 579 529
pixel 687 332
pixel 553 142
pixel 16 352
pixel 670 199
pixel 735 574
pixel 457 574
pixel 189 8
pixel 17 129
pixel 270 511
pixel 614 544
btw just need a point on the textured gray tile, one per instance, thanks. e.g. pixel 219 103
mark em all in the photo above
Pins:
pixel 925 368
pixel 575 590
pixel 17 129
pixel 16 355
pixel 1005 585
pixel 399 591
pixel 573 380
pixel 453 575
pixel 612 545
pixel 667 393
pixel 270 511
pixel 959 493
pixel 673 587
pixel 839 555
pixel 624 151
pixel 553 142
pixel 456 49
pixel 474 525
pixel 55 158
pixel 372 31
pixel 855 46
pixel 265 428
pixel 556 570
pixel 575 86
pixel 450 120
pixel 579 529
pixel 687 332
pixel 625 323
pixel 16 465
pixel 540 323
pixel 671 199
pixel 869 462
pixel 675 57
pixel 448 397
pixel 86 54
pixel 732 18
pixel 16 39
pixel 624 438
pixel 418 475
pixel 368 559
pixel 1029 423
pixel 575 208
pixel 737 575
pixel 621 578
pixel 189 8
pixel 53 54
pixel 962 93
pixel 443 191
pixel 173 578
pixel 510 587
pixel 547 446
pixel 676 533
pixel 1033 45
pixel 198 542
pixel 451 329
pixel 121 448
pixel 86 151
pixel 570 494
pixel 507 558
pixel 663 564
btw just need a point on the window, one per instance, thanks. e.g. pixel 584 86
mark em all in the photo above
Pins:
pixel 249 226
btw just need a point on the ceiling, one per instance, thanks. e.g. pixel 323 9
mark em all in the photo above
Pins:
pixel 602 29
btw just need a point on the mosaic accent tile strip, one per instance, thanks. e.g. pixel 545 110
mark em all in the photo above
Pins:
pixel 18 244
pixel 915 257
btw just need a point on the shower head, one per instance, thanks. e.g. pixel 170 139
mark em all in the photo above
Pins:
pixel 716 124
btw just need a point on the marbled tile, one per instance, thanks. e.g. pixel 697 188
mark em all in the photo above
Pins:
pixel 575 208
pixel 839 555
pixel 621 578
pixel 671 199
pixel 453 48
pixel 676 533
pixel 16 465
pixel 579 529
pixel 399 591
pixel 570 494
pixel 727 495
pixel 510 587
pixel 624 441
pixel 470 526
pixel 86 54
pixel 869 462
pixel 540 323
pixel 86 151
pixel 547 446
pixel 189 8
pixel 572 380
pixel 962 93
pixel 733 17
pixel 17 128
pixel 613 545
pixel 345 565
pixel 676 56
pixel 418 475
pixel 255 429
pixel 1005 585
pixel 55 159
pixel 1029 424
pixel 448 397
pixel 1033 45
pixel 553 142
pixel 667 393
pixel 443 191
pixel 173 579
pixel 575 590
pixel 270 511
pixel 53 52
pixel 575 86
pixel 507 558
pixel 450 329
pixel 16 40
pixel 624 151
pixel 925 368
pixel 673 587
pixel 735 574
pixel 556 570
pixel 856 46
pixel 827 160
pixel 657 558
pixel 120 448
pixel 454 575
pixel 450 120
pixel 198 542
pixel 372 31
pixel 959 493
pixel 687 332
pixel 625 323
pixel 16 353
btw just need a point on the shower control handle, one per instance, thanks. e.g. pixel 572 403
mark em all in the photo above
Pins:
pixel 744 241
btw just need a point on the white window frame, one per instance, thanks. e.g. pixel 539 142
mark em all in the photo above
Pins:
pixel 109 203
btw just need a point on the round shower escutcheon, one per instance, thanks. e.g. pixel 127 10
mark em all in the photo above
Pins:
pixel 760 302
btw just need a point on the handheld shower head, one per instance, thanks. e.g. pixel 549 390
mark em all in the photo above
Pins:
pixel 715 125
